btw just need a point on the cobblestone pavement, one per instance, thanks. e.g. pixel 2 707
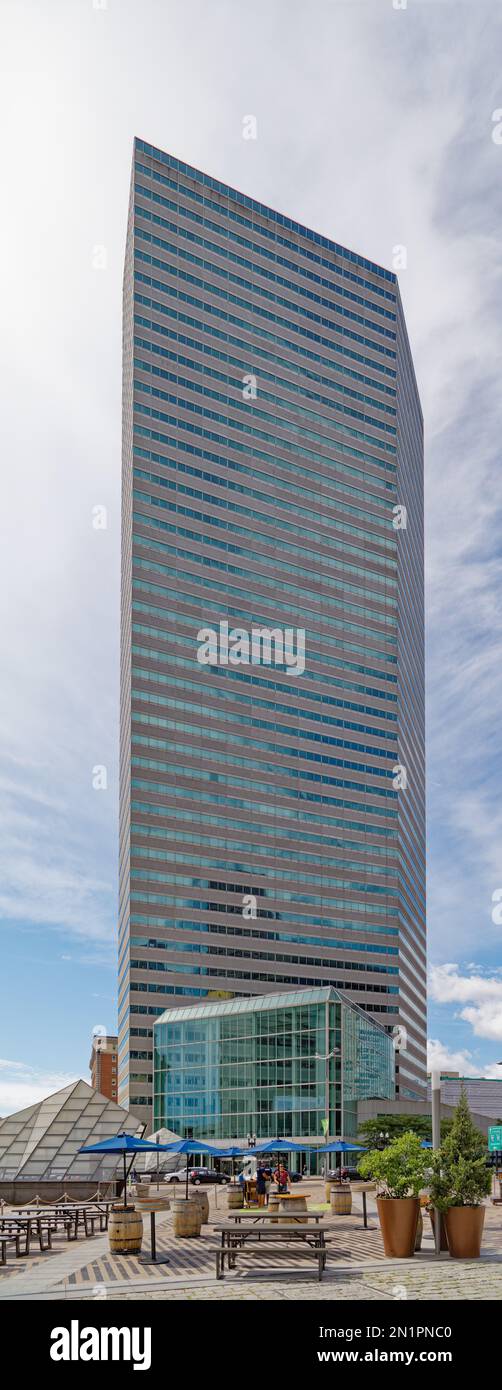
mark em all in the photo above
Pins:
pixel 465 1281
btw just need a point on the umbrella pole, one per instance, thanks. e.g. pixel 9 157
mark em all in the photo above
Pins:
pixel 186 1182
pixel 125 1180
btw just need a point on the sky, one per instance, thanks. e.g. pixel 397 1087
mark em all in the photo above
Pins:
pixel 377 125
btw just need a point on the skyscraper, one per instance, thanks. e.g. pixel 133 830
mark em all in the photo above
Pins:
pixel 272 678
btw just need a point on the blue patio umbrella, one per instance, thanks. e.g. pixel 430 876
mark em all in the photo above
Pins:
pixel 270 1146
pixel 122 1144
pixel 337 1146
pixel 188 1146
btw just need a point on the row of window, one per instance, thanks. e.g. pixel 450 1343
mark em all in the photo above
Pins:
pixel 258 357
pixel 236 401
pixel 256 933
pixel 323 499
pixel 338 276
pixel 252 288
pixel 266 851
pixel 255 679
pixel 195 815
pixel 250 432
pixel 226 212
pixel 195 948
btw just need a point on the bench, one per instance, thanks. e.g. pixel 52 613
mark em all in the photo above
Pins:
pixel 5 1240
pixel 263 1247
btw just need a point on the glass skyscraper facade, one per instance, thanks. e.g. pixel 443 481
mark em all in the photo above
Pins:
pixel 273 483
pixel 277 1065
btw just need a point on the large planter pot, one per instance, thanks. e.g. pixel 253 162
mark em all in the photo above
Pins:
pixel 125 1231
pixel 398 1218
pixel 464 1230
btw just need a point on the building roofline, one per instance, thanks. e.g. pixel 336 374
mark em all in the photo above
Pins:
pixel 265 209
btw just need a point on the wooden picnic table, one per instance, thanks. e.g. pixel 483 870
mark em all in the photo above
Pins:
pixel 26 1225
pixel 238 1239
pixel 263 1214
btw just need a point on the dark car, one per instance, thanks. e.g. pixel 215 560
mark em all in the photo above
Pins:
pixel 296 1177
pixel 200 1175
pixel 348 1174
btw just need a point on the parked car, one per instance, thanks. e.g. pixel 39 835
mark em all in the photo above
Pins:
pixel 348 1175
pixel 199 1175
pixel 177 1175
pixel 295 1177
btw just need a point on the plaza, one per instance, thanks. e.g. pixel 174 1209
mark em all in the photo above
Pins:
pixel 356 1270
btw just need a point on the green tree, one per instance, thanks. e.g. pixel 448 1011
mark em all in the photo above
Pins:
pixel 395 1125
pixel 399 1169
pixel 460 1177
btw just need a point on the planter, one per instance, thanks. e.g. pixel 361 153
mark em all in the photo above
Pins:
pixel 186 1218
pixel 203 1201
pixel 398 1218
pixel 464 1230
pixel 420 1231
pixel 341 1199
pixel 443 1243
pixel 125 1231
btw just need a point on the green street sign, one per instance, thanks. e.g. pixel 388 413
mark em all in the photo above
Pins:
pixel 495 1138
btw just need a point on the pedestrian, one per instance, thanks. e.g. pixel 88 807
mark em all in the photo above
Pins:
pixel 261 1189
pixel 281 1176
pixel 268 1183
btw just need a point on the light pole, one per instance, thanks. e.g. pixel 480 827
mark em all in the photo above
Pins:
pixel 326 1058
pixel 436 1141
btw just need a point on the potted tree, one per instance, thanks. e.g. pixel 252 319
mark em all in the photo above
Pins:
pixel 460 1181
pixel 399 1172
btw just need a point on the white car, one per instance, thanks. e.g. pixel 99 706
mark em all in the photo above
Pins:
pixel 177 1175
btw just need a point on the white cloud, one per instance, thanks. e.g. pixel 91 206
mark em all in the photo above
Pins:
pixel 22 1085
pixel 442 1058
pixel 480 995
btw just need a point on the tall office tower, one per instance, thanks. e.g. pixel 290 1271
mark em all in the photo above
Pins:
pixel 272 481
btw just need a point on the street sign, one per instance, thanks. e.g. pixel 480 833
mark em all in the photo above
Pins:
pixel 495 1138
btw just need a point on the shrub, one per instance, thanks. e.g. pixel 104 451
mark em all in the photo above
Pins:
pixel 399 1170
pixel 460 1177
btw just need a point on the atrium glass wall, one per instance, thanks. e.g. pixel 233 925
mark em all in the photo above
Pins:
pixel 273 1066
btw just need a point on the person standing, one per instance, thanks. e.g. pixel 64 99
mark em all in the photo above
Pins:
pixel 261 1189
pixel 281 1176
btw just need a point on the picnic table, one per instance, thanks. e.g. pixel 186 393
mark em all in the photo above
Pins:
pixel 270 1239
pixel 27 1225
pixel 263 1214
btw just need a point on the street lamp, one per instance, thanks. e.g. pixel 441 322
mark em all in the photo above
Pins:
pixel 326 1058
pixel 383 1139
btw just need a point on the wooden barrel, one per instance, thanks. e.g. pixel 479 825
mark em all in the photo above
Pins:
pixel 153 1203
pixel 142 1189
pixel 235 1197
pixel 202 1198
pixel 125 1231
pixel 328 1186
pixel 293 1205
pixel 341 1199
pixel 273 1205
pixel 187 1217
